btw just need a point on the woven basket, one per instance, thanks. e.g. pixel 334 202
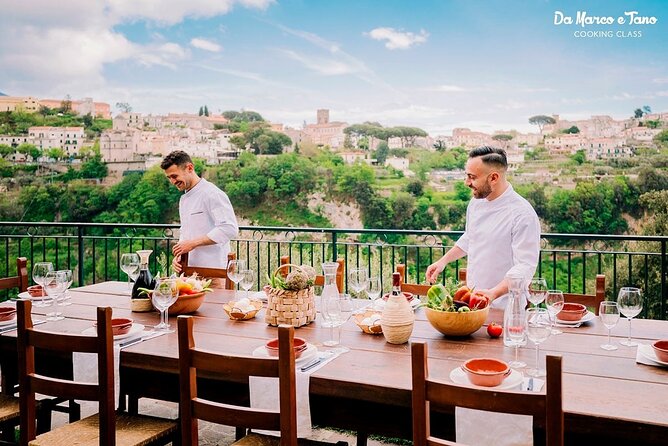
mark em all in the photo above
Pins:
pixel 296 308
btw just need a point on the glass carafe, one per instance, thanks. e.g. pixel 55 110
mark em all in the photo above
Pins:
pixel 330 294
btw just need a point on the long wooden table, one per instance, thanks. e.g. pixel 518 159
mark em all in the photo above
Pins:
pixel 607 395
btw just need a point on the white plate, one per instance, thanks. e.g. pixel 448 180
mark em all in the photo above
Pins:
pixel 309 354
pixel 514 380
pixel 135 330
pixel 586 318
pixel 26 295
pixel 9 322
pixel 648 352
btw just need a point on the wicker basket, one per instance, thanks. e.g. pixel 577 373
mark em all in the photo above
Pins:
pixel 296 308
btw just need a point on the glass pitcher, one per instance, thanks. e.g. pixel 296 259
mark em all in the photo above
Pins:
pixel 330 295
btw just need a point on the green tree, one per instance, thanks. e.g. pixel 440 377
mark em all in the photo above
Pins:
pixel 124 107
pixel 201 111
pixel 637 113
pixel 94 168
pixel 571 130
pixel 415 187
pixel 502 137
pixel 382 151
pixel 541 121
pixel 662 138
pixel 206 110
pixel 579 157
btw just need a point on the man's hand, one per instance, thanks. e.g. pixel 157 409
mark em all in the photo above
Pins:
pixel 176 264
pixel 434 270
pixel 184 247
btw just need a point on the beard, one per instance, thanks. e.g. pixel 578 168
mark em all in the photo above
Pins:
pixel 482 191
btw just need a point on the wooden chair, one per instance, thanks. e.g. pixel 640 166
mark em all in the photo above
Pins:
pixel 193 360
pixel 20 280
pixel 218 273
pixel 105 428
pixel 591 301
pixel 546 408
pixel 319 279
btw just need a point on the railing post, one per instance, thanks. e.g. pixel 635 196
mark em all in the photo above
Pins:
pixel 664 271
pixel 80 241
pixel 334 253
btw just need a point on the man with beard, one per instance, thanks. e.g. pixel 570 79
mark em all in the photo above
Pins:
pixel 502 235
pixel 208 222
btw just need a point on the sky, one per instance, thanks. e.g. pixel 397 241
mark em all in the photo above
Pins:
pixel 482 64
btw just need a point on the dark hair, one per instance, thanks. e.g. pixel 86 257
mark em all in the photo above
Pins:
pixel 178 157
pixel 491 155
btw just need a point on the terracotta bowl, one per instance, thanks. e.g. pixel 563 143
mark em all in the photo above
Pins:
pixel 486 372
pixel 35 290
pixel 238 315
pixel 455 323
pixel 7 313
pixel 373 329
pixel 186 304
pixel 661 350
pixel 299 346
pixel 119 325
pixel 572 312
pixel 409 296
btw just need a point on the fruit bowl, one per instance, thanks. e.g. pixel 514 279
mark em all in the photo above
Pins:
pixel 7 313
pixel 299 345
pixel 453 323
pixel 369 322
pixel 486 372
pixel 238 313
pixel 119 325
pixel 187 303
pixel 571 312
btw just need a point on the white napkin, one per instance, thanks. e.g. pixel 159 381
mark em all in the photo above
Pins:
pixel 264 394
pixel 645 353
pixel 500 429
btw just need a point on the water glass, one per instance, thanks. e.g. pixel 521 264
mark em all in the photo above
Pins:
pixel 374 290
pixel 358 280
pixel 516 334
pixel 538 330
pixel 130 265
pixel 608 311
pixel 629 301
pixel 39 272
pixel 537 291
pixel 336 311
pixel 234 270
pixel 554 300
pixel 54 284
pixel 247 280
pixel 164 295
pixel 65 299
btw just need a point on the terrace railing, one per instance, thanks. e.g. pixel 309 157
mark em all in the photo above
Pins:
pixel 568 261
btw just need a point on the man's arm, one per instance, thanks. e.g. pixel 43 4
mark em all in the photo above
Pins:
pixel 437 267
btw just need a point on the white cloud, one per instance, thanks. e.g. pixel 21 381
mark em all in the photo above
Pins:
pixel 449 88
pixel 321 65
pixel 206 45
pixel 398 40
pixel 660 80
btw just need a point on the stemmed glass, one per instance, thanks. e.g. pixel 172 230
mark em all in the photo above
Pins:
pixel 608 311
pixel 516 334
pixel 374 290
pixel 39 272
pixel 358 280
pixel 537 291
pixel 247 280
pixel 164 295
pixel 234 270
pixel 555 302
pixel 538 330
pixel 336 312
pixel 130 265
pixel 65 300
pixel 54 284
pixel 629 301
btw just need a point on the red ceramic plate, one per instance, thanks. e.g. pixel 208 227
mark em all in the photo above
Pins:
pixel 7 313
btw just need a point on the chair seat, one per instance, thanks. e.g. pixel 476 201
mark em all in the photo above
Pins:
pixel 130 430
pixel 9 408
pixel 269 440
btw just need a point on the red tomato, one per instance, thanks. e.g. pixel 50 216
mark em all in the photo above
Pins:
pixel 478 301
pixel 494 330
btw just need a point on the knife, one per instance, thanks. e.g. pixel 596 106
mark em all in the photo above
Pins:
pixel 13 327
pixel 311 365
pixel 146 337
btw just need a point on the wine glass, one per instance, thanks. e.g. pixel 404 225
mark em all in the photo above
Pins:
pixel 538 330
pixel 374 290
pixel 54 284
pixel 537 291
pixel 358 280
pixel 164 295
pixel 608 311
pixel 337 310
pixel 247 280
pixel 516 329
pixel 130 265
pixel 39 272
pixel 234 269
pixel 554 299
pixel 629 301
pixel 65 300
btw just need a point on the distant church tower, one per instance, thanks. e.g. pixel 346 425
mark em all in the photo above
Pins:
pixel 323 116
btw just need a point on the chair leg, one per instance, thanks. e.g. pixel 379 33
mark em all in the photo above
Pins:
pixel 44 417
pixel 362 438
pixel 240 432
pixel 75 411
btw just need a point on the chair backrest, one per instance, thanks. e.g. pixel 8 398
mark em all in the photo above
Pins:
pixel 546 408
pixel 20 280
pixel 30 382
pixel 193 408
pixel 319 278
pixel 415 288
pixel 219 273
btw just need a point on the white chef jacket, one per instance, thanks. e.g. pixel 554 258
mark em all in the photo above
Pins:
pixel 502 236
pixel 206 210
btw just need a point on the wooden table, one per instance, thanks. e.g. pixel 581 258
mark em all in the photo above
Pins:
pixel 607 395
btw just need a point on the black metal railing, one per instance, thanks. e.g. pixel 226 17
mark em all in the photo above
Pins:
pixel 568 261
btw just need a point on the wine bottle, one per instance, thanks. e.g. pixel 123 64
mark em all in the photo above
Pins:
pixel 398 317
pixel 144 280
